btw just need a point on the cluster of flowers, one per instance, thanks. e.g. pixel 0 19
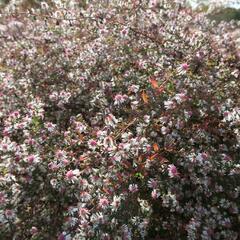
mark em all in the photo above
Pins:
pixel 118 120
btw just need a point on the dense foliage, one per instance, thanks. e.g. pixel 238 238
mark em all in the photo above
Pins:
pixel 119 120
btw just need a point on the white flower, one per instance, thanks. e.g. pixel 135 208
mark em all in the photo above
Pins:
pixel 50 126
pixel 116 203
pixel 169 105
pixel 111 120
pixel 164 130
pixel 180 97
pixel 44 5
pixel 133 88
pixel 108 142
pixel 98 218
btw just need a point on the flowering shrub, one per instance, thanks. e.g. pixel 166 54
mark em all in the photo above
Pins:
pixel 119 120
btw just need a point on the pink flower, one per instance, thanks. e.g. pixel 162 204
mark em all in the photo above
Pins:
pixel 111 120
pixel 50 126
pixel 153 3
pixel 32 159
pixel 155 194
pixel 53 166
pixel 92 144
pixel 172 171
pixel 61 237
pixel 103 202
pixel 72 174
pixel 9 214
pixel 65 162
pixel 119 99
pixel 133 188
pixel 185 66
pixel 69 174
pixel 60 154
pixel 152 183
pixel 124 31
pixel 83 212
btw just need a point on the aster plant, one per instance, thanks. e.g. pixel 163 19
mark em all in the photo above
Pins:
pixel 119 120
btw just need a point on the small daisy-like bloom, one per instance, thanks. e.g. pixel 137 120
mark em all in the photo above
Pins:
pixel 133 88
pixel 164 130
pixel 108 142
pixel 92 144
pixel 101 134
pixel 72 174
pixel 116 203
pixel 103 203
pixel 65 162
pixel 155 194
pixel 202 157
pixel 84 183
pixel 124 32
pixel 187 114
pixel 33 230
pixel 85 196
pixel 111 120
pixel 172 171
pixel 50 126
pixel 153 3
pixel 69 174
pixel 83 212
pixel 80 127
pixel 72 210
pixel 185 66
pixel 9 214
pixel 53 182
pixel 53 166
pixel 14 115
pixel 98 218
pixel 53 96
pixel 169 104
pixel 44 5
pixel 30 141
pixel 119 99
pixel 133 188
pixel 31 159
pixel 180 97
pixel 152 183
pixel 60 154
pixel 4 147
